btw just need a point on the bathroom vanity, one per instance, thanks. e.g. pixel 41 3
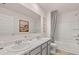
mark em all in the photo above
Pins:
pixel 42 49
pixel 34 47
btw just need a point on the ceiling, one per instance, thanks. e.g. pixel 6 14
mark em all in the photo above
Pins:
pixel 61 7
pixel 19 9
pixel 47 7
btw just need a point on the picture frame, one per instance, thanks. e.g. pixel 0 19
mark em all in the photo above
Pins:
pixel 23 26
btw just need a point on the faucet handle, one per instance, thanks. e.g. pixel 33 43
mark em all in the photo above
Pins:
pixel 78 35
pixel 1 48
pixel 25 36
pixel 77 39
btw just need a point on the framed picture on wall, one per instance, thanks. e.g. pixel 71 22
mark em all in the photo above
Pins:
pixel 23 26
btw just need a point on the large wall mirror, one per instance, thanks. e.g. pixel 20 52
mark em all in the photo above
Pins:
pixel 15 18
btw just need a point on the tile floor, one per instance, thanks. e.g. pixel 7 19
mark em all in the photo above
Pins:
pixel 61 52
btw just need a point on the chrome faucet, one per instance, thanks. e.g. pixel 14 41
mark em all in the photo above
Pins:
pixel 18 41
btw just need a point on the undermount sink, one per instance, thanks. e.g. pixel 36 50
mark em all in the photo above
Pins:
pixel 18 47
pixel 21 46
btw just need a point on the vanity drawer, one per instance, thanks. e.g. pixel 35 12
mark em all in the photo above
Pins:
pixel 35 51
pixel 26 53
pixel 44 45
pixel 38 53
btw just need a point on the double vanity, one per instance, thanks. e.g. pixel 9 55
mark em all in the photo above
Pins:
pixel 37 46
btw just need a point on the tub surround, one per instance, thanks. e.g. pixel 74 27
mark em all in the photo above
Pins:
pixel 24 47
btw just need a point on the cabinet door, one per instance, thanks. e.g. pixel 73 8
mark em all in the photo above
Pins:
pixel 38 53
pixel 49 49
pixel 44 45
pixel 35 51
pixel 44 51
pixel 26 53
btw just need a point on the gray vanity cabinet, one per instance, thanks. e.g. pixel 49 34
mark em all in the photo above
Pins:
pixel 36 51
pixel 48 47
pixel 26 53
pixel 43 49
pixel 39 53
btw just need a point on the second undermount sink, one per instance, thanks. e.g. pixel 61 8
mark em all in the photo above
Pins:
pixel 19 47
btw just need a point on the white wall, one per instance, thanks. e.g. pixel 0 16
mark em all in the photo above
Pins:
pixel 48 16
pixel 6 24
pixel 68 28
pixel 36 8
pixel 66 25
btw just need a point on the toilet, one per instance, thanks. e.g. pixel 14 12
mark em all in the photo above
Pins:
pixel 53 48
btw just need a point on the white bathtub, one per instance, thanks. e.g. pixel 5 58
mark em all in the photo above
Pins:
pixel 68 46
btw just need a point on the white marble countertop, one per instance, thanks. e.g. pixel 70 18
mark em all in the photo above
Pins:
pixel 33 44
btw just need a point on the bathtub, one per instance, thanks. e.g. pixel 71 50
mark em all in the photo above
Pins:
pixel 68 46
